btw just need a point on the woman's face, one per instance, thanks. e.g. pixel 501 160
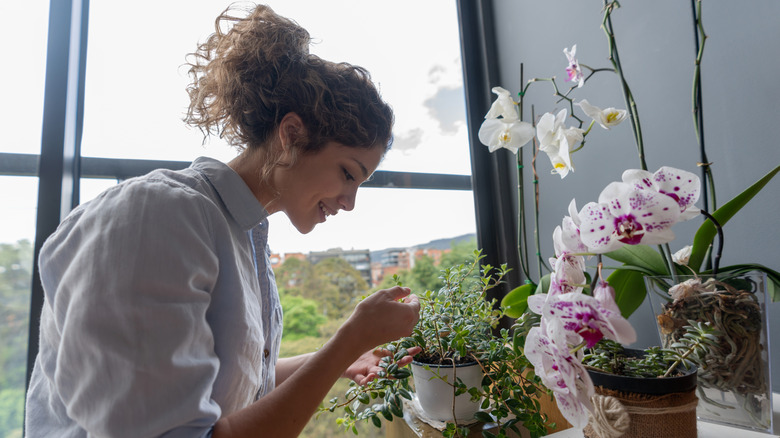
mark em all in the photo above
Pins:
pixel 319 185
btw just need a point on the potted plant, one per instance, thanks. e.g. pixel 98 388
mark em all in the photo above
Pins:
pixel 633 387
pixel 478 368
pixel 630 223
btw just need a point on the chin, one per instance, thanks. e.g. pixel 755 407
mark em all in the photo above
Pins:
pixel 304 228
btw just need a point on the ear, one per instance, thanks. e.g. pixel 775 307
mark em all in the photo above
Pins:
pixel 291 130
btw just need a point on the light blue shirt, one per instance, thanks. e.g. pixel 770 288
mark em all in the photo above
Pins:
pixel 161 312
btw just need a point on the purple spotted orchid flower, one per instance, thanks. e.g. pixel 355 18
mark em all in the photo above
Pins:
pixel 561 371
pixel 684 187
pixel 628 215
pixel 584 318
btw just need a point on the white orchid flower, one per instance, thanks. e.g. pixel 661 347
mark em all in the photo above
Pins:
pixel 502 127
pixel 504 106
pixel 548 127
pixel 574 70
pixel 607 118
pixel 627 215
pixel 556 140
pixel 500 133
pixel 682 186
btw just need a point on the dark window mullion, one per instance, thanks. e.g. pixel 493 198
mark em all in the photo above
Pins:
pixel 58 165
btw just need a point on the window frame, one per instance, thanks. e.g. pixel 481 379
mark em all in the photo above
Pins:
pixel 60 166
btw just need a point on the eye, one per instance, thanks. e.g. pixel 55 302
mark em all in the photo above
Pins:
pixel 347 175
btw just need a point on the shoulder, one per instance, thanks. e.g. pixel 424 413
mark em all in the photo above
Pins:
pixel 163 205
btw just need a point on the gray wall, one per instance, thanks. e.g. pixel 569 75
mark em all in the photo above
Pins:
pixel 741 92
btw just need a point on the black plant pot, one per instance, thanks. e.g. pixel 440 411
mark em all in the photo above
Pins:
pixel 684 382
pixel 650 407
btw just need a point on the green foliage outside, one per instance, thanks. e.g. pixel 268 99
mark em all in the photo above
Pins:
pixel 302 317
pixel 15 280
pixel 316 299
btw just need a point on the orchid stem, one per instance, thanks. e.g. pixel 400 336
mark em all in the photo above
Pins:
pixel 716 261
pixel 708 181
pixel 667 253
pixel 606 25
pixel 522 244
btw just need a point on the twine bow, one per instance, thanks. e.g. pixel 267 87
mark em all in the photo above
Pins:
pixel 612 419
pixel 609 418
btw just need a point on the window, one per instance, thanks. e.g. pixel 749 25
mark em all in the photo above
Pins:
pixel 134 101
pixel 20 122
pixel 135 98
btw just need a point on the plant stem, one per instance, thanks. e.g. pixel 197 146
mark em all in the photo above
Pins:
pixel 708 180
pixel 539 260
pixel 667 253
pixel 522 244
pixel 716 261
pixel 700 38
pixel 606 25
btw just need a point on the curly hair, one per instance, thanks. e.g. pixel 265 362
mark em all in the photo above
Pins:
pixel 255 69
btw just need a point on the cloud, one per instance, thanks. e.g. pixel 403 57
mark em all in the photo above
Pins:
pixel 408 140
pixel 447 107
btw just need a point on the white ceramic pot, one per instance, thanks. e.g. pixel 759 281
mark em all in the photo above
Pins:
pixel 436 395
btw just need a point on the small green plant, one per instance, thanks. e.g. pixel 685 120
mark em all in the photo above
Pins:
pixel 690 350
pixel 458 324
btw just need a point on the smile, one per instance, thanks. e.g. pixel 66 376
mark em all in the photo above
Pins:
pixel 325 210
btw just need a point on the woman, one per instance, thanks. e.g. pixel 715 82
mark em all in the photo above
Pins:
pixel 161 315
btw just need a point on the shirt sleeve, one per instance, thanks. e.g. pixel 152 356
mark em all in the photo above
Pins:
pixel 129 281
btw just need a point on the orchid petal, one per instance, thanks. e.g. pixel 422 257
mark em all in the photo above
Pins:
pixel 504 106
pixel 607 118
pixel 597 228
pixel 498 133
pixel 682 186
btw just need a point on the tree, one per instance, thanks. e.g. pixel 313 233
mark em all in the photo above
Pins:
pixel 301 317
pixel 340 286
pixel 15 284
pixel 462 252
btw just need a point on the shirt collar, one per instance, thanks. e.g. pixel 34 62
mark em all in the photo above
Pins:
pixel 231 188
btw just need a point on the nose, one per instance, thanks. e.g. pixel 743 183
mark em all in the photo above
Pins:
pixel 347 200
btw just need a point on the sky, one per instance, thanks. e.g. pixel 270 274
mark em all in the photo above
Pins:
pixel 135 99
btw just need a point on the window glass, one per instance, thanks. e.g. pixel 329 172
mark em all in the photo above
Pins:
pixel 24 30
pixel 17 235
pixel 135 93
pixel 25 24
pixel 135 99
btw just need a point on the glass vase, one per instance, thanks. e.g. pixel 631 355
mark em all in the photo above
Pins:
pixel 734 388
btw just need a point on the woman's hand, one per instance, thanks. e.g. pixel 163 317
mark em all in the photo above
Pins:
pixel 384 316
pixel 366 367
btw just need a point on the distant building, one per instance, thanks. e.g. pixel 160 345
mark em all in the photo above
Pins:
pixel 278 259
pixel 360 259
pixel 392 261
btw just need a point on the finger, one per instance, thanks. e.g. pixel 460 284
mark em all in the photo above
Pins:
pixel 381 352
pixel 397 292
pixel 413 300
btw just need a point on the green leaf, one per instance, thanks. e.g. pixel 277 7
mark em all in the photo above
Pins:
pixel 516 301
pixel 483 417
pixel 641 256
pixel 630 289
pixel 707 231
pixel 544 285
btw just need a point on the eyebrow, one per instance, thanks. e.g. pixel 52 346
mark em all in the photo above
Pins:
pixel 362 168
